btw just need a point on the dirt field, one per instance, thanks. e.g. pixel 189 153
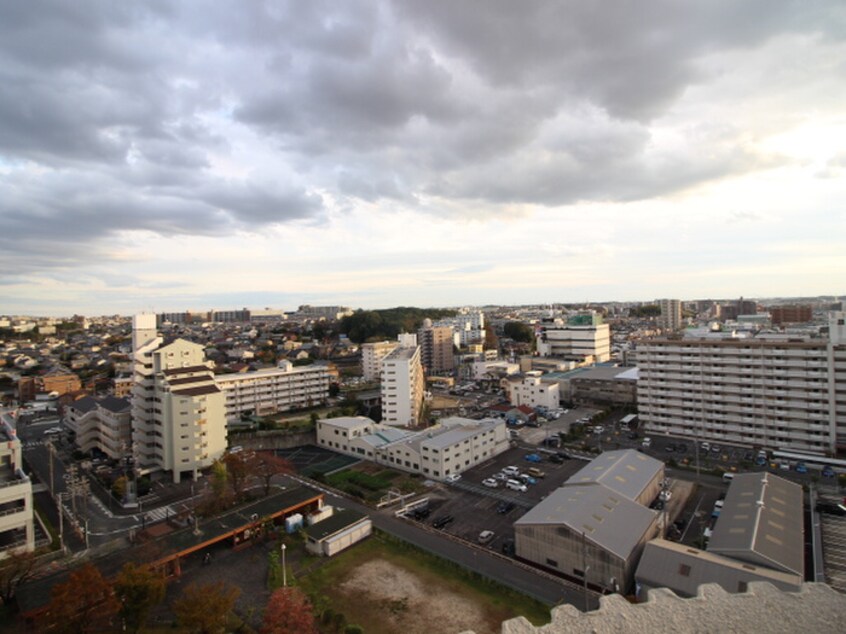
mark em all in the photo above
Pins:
pixel 410 605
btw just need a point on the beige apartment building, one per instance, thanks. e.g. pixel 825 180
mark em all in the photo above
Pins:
pixel 17 531
pixel 371 358
pixel 436 351
pixel 178 413
pixel 671 314
pixel 104 424
pixel 402 387
pixel 582 338
pixel 273 390
pixel 772 391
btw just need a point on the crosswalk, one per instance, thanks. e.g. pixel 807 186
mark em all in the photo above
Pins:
pixel 159 514
pixel 29 444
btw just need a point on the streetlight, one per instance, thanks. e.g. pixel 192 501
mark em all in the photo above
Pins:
pixel 284 572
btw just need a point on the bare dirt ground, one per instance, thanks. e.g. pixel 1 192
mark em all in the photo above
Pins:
pixel 412 607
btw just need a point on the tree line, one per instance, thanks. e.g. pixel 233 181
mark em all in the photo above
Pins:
pixel 378 325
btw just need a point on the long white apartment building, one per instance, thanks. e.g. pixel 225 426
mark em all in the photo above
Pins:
pixel 452 446
pixel 583 337
pixel 402 387
pixel 271 390
pixel 104 424
pixel 17 530
pixel 467 327
pixel 777 392
pixel 372 355
pixel 178 415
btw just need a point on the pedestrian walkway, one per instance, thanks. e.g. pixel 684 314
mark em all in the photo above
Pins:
pixel 159 514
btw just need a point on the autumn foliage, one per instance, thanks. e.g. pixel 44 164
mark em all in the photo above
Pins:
pixel 288 612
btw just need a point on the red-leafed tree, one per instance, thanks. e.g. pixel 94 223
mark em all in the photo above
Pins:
pixel 84 603
pixel 288 611
pixel 266 464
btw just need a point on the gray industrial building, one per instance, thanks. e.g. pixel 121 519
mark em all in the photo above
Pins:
pixel 596 525
pixel 630 473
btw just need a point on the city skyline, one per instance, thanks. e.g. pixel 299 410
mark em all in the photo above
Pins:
pixel 163 158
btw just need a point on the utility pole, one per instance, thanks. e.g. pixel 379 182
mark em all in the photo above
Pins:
pixel 51 449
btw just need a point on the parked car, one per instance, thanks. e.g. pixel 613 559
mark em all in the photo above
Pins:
pixel 827 471
pixel 500 476
pixel 504 507
pixel 705 446
pixel 490 482
pixel 535 472
pixel 516 485
pixel 556 459
pixel 647 442
pixel 421 513
pixel 486 537
pixel 442 521
pixel 532 457
pixel 598 430
pixel 453 477
pixel 665 495
pixel 670 448
pixel 801 468
pixel 525 478
pixel 511 471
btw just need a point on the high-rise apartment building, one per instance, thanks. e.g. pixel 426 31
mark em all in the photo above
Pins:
pixel 583 337
pixel 371 358
pixel 671 314
pixel 772 391
pixel 780 315
pixel 104 424
pixel 271 390
pixel 178 415
pixel 402 387
pixel 436 348
pixel 467 327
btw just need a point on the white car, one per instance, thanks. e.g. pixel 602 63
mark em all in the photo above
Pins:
pixel 665 495
pixel 455 477
pixel 598 430
pixel 516 485
pixel 490 482
pixel 485 537
pixel 511 471
pixel 647 442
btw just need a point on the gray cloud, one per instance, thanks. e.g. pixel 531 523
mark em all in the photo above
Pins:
pixel 198 118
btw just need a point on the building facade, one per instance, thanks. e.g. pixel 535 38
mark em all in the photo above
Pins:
pixel 531 390
pixel 436 352
pixel 773 392
pixel 582 338
pixel 450 447
pixel 104 424
pixel 796 314
pixel 402 387
pixel 371 358
pixel 17 530
pixel 671 314
pixel 178 414
pixel 273 390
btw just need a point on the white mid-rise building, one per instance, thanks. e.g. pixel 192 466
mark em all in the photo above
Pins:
pixel 671 314
pixel 372 355
pixel 402 387
pixel 777 392
pixel 467 327
pixel 178 415
pixel 531 390
pixel 104 424
pixel 17 531
pixel 450 447
pixel 582 338
pixel 272 390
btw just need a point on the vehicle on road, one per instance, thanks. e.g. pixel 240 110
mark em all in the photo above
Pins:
pixel 442 521
pixel 490 482
pixel 532 457
pixel 486 537
pixel 454 477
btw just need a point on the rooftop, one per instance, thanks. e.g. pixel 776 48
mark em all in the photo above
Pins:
pixel 337 522
pixel 626 471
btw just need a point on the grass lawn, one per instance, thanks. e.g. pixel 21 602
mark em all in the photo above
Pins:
pixel 370 482
pixel 413 583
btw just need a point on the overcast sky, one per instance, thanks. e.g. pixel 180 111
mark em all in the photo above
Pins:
pixel 195 155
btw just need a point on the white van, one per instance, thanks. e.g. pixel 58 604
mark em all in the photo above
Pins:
pixel 515 485
pixel 728 477
pixel 647 442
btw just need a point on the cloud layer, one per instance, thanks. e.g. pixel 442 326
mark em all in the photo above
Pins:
pixel 215 122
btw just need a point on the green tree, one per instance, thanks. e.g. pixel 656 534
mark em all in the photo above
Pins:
pixel 139 589
pixel 519 331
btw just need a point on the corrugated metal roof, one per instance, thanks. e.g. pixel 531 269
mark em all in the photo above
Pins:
pixel 762 522
pixel 606 518
pixel 626 471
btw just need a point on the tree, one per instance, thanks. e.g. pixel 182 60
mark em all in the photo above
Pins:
pixel 519 331
pixel 204 608
pixel 139 589
pixel 15 570
pixel 267 464
pixel 237 470
pixel 288 611
pixel 84 603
